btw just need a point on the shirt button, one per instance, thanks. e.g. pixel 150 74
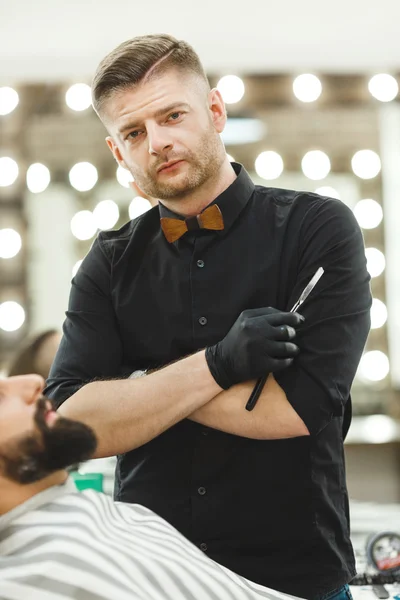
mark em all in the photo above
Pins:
pixel 203 321
pixel 202 491
pixel 200 263
pixel 203 547
pixel 204 432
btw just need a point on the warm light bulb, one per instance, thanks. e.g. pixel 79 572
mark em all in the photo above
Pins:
pixel 12 316
pixel 9 100
pixel 368 213
pixel 83 225
pixel 231 88
pixel 83 176
pixel 138 206
pixel 79 96
pixel 106 214
pixel 37 178
pixel 8 171
pixel 316 165
pixel 269 165
pixel 10 243
pixel 366 164
pixel 307 87
pixel 383 87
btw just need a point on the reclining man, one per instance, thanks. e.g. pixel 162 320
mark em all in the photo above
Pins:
pixel 56 543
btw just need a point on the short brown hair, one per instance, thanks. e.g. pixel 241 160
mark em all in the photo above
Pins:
pixel 133 60
pixel 26 359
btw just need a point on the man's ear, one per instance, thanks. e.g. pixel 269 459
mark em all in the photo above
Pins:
pixel 115 151
pixel 217 108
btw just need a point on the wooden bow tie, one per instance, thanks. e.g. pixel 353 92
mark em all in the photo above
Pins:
pixel 211 218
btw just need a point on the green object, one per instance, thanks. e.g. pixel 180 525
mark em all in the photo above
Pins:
pixel 84 481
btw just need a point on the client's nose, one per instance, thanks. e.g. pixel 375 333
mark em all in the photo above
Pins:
pixel 29 387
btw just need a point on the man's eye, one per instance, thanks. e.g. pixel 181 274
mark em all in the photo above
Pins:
pixel 132 135
pixel 175 116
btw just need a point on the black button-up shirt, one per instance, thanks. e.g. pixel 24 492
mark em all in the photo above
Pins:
pixel 274 511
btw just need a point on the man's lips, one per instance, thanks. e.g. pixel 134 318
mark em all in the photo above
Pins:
pixel 169 165
pixel 50 415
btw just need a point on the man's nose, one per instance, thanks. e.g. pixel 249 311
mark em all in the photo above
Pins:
pixel 159 139
pixel 30 387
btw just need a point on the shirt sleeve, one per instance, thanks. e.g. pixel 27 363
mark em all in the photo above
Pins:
pixel 337 314
pixel 91 347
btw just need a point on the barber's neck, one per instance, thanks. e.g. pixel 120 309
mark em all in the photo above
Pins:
pixel 12 494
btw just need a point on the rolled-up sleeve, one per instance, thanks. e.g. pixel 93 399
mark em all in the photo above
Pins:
pixel 337 314
pixel 91 346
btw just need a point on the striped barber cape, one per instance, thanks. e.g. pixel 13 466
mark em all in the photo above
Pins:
pixel 63 544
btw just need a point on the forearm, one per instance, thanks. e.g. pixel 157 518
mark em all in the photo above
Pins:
pixel 272 418
pixel 126 414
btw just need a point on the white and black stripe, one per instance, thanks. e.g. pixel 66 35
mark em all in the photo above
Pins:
pixel 63 545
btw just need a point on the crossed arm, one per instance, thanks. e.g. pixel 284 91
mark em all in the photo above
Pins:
pixel 295 402
pixel 143 408
pixel 272 418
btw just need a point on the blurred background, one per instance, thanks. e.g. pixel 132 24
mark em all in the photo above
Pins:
pixel 312 92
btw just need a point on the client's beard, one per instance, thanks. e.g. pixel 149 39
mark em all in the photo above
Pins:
pixel 47 449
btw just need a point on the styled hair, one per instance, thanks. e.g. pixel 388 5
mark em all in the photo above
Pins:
pixel 25 361
pixel 139 59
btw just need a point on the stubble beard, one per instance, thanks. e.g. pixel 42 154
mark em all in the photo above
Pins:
pixel 201 166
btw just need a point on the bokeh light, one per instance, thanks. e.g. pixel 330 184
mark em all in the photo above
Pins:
pixel 8 171
pixel 79 97
pixel 37 178
pixel 378 314
pixel 138 206
pixel 12 316
pixel 368 213
pixel 9 100
pixel 83 176
pixel 329 191
pixel 269 165
pixel 124 177
pixel 307 87
pixel 316 165
pixel 10 243
pixel 379 429
pixel 106 214
pixel 366 164
pixel 232 88
pixel 383 87
pixel 374 366
pixel 376 262
pixel 76 266
pixel 83 225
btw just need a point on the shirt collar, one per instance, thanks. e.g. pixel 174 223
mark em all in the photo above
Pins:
pixel 231 202
pixel 48 495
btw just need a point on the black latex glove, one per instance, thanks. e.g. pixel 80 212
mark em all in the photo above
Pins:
pixel 256 344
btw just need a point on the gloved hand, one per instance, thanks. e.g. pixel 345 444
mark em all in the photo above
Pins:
pixel 255 345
